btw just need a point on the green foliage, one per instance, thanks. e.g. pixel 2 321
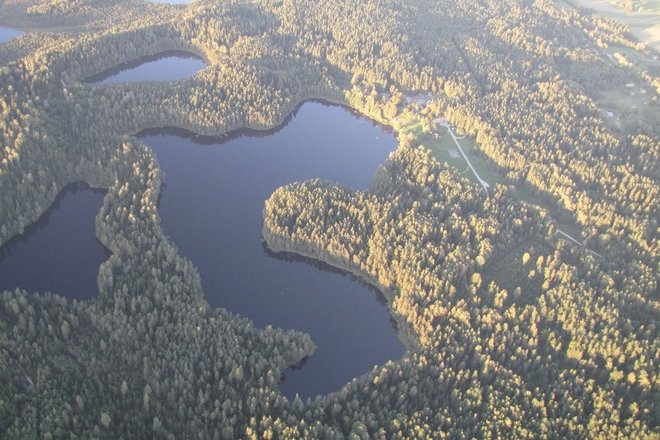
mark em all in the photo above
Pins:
pixel 558 344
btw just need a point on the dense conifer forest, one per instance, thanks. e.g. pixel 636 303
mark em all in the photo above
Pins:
pixel 512 330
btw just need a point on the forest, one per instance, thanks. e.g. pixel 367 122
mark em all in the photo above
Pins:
pixel 511 330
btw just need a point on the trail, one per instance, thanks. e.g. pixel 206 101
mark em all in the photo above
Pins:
pixel 483 183
pixel 485 186
pixel 579 243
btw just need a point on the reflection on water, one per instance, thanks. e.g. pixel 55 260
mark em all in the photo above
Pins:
pixel 8 34
pixel 59 253
pixel 211 207
pixel 170 65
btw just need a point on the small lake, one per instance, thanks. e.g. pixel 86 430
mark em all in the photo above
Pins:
pixel 169 65
pixel 60 252
pixel 8 34
pixel 211 206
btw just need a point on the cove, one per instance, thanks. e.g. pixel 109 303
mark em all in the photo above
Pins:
pixel 169 65
pixel 59 253
pixel 211 207
pixel 8 34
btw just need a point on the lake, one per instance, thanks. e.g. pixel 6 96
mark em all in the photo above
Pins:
pixel 211 206
pixel 8 34
pixel 60 252
pixel 169 65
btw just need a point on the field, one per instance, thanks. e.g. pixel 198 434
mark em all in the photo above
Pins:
pixel 509 272
pixel 643 21
pixel 442 146
pixel 629 103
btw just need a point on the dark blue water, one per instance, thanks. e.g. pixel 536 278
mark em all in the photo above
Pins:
pixel 8 34
pixel 211 206
pixel 59 253
pixel 170 65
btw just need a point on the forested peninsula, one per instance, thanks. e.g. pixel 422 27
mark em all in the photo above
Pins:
pixel 512 329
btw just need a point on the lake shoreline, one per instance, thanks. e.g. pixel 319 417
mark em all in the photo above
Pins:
pixel 282 245
pixel 137 62
pixel 211 137
pixel 227 250
pixel 64 242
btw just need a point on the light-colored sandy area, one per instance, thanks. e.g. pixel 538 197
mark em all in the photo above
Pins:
pixel 645 25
